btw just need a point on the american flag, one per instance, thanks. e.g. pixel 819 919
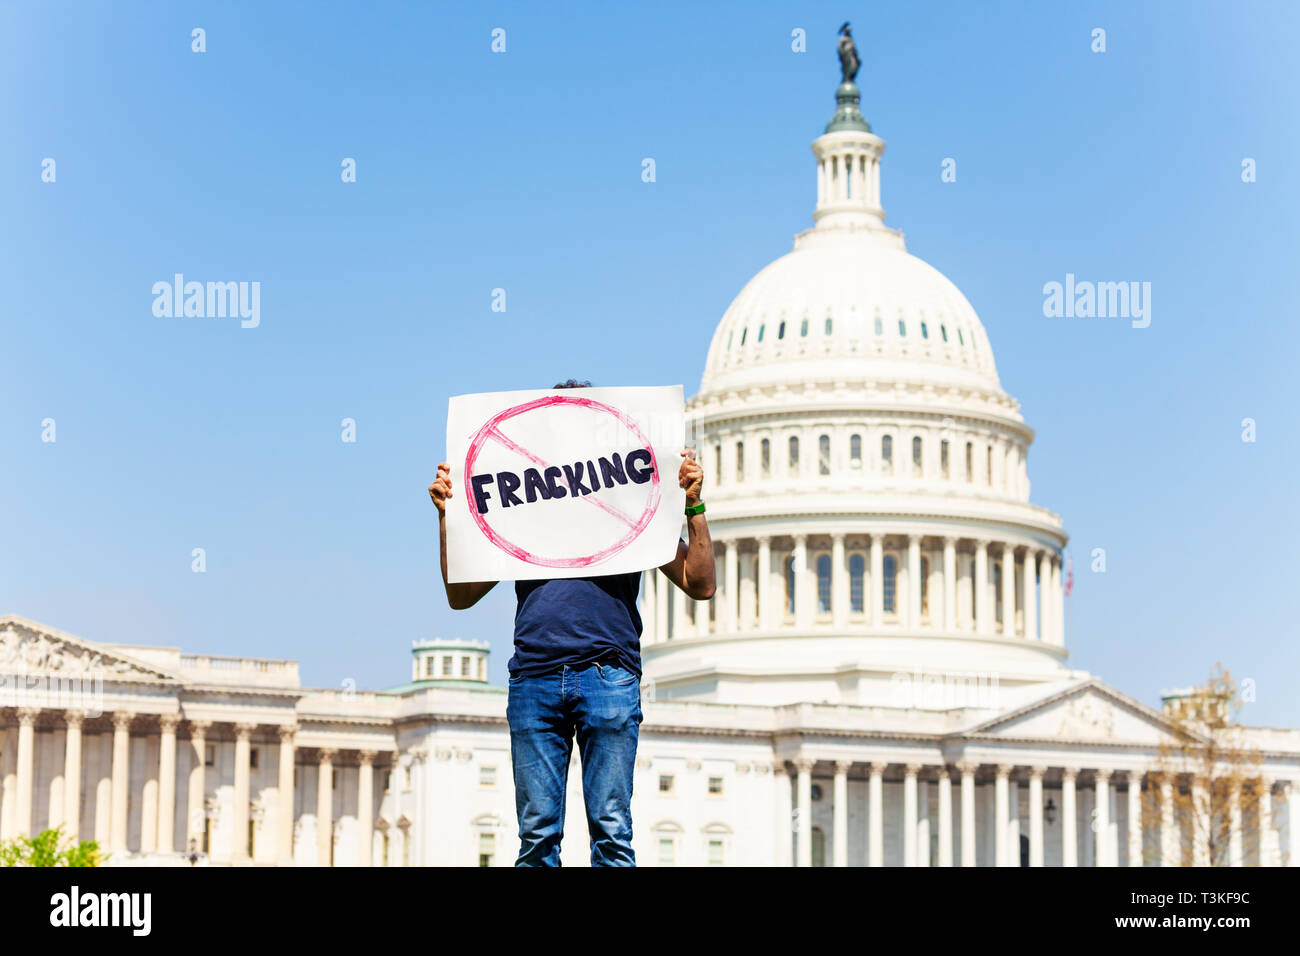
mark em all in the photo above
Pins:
pixel 1069 574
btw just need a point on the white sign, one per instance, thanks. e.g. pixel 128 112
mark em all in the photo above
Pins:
pixel 565 483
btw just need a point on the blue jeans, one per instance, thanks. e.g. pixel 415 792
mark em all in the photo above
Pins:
pixel 601 704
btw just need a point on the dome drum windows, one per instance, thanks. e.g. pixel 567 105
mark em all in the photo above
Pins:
pixel 917 449
pixel 943 459
pixel 887 455
pixel 793 456
pixel 889 585
pixel 824 455
pixel 855 451
pixel 824 585
pixel 740 462
pixel 857 582
pixel 765 457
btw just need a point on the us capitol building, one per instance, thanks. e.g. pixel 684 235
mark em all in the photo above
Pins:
pixel 881 679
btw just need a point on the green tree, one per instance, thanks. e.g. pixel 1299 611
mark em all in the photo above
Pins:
pixel 49 848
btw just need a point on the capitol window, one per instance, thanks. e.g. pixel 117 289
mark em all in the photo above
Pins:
pixel 744 333
pixel 715 853
pixel 789 585
pixel 487 849
pixel 925 333
pixel 970 462
pixel 715 786
pixel 717 462
pixel 794 456
pixel 857 572
pixel 761 329
pixel 765 457
pixel 916 456
pixel 960 339
pixel 880 328
pixel 428 666
pixel 943 330
pixel 824 455
pixel 902 329
pixel 740 462
pixel 988 474
pixel 780 330
pixel 943 458
pixel 889 584
pixel 887 454
pixel 803 328
pixel 666 784
pixel 925 587
pixel 464 666
pixel 855 451
pixel 667 851
pixel 446 666
pixel 823 584
pixel 487 777
pixel 997 591
pixel 828 326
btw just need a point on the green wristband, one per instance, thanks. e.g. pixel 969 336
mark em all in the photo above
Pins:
pixel 695 509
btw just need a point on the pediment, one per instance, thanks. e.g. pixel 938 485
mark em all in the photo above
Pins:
pixel 30 648
pixel 1089 712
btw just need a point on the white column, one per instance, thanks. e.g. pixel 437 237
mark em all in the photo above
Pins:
pixel 983 619
pixel 967 812
pixel 913 580
pixel 1036 815
pixel 1169 842
pixel 876 816
pixel 121 771
pixel 802 603
pixel 945 817
pixel 764 582
pixel 325 807
pixel 839 583
pixel 284 817
pixel 1008 591
pixel 909 813
pixel 840 836
pixel 166 842
pixel 239 812
pixel 26 770
pixel 785 818
pixel 365 807
pixel 877 579
pixel 1058 605
pixel 803 811
pixel 950 584
pixel 197 800
pixel 1001 842
pixel 730 589
pixel 1029 569
pixel 1134 818
pixel 72 774
pixel 1267 856
pixel 1107 852
pixel 1069 818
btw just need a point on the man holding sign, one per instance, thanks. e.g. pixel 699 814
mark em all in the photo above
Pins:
pixel 562 492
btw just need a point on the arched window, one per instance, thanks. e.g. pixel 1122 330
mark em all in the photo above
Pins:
pixel 828 326
pixel 740 462
pixel 743 334
pixel 997 591
pixel 823 584
pixel 857 571
pixel 902 329
pixel 943 458
pixel 803 328
pixel 789 585
pixel 925 586
pixel 925 333
pixel 855 451
pixel 880 328
pixel 761 329
pixel 887 454
pixel 970 462
pixel 794 456
pixel 916 456
pixel 988 472
pixel 943 330
pixel 717 462
pixel 780 330
pixel 889 583
pixel 765 457
pixel 824 455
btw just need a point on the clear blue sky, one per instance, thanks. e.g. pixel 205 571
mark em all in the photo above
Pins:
pixel 522 171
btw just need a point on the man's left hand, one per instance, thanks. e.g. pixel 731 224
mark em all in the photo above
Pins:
pixel 690 476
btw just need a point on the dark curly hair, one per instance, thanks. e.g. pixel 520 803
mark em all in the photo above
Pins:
pixel 572 383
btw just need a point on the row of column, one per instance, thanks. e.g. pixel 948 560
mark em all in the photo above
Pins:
pixel 1006 816
pixel 736 609
pixel 159 801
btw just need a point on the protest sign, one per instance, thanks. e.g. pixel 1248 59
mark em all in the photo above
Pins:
pixel 564 483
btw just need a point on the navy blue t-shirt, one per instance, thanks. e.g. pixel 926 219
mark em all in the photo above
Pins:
pixel 577 621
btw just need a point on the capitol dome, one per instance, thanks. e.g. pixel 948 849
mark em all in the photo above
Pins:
pixel 866 479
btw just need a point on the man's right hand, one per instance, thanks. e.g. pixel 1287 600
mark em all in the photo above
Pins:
pixel 440 490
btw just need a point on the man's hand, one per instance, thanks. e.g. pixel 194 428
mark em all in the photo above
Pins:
pixel 440 490
pixel 690 476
